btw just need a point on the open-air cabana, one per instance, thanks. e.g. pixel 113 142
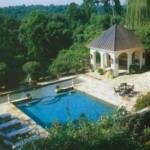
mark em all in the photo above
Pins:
pixel 116 49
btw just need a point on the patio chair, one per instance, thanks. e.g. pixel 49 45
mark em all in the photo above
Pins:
pixel 9 124
pixel 132 87
pixel 122 93
pixel 22 142
pixel 5 117
pixel 131 94
pixel 117 90
pixel 123 84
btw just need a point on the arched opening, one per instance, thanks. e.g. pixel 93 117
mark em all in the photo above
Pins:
pixel 123 61
pixel 107 60
pixel 136 58
pixel 98 59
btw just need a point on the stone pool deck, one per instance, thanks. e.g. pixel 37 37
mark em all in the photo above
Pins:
pixel 13 110
pixel 104 90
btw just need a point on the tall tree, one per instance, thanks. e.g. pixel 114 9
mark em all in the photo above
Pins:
pixel 72 11
pixel 117 7
pixel 10 45
pixel 44 35
pixel 75 14
pixel 3 73
pixel 88 7
pixel 106 6
pixel 11 51
pixel 138 13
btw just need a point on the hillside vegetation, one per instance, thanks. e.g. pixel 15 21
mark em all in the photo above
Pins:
pixel 49 35
pixel 18 12
pixel 51 41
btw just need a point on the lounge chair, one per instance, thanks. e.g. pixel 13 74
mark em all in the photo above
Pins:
pixel 21 143
pixel 9 124
pixel 131 94
pixel 17 133
pixel 5 117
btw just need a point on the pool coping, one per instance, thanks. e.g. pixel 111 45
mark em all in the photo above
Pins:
pixel 112 98
pixel 98 99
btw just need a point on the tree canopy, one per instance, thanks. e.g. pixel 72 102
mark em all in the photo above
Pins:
pixel 44 35
pixel 70 61
pixel 38 33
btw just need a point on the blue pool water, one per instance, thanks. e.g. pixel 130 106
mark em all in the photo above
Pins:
pixel 66 107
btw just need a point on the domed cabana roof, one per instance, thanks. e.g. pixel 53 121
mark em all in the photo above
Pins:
pixel 116 38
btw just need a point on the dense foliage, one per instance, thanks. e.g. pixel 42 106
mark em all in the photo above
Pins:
pixel 44 35
pixel 32 69
pixel 22 11
pixel 12 52
pixel 119 132
pixel 138 13
pixel 143 101
pixel 70 61
pixel 144 34
pixel 38 41
pixel 30 35
pixel 38 33
pixel 3 73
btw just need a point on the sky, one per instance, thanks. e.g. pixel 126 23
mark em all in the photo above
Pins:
pixel 6 3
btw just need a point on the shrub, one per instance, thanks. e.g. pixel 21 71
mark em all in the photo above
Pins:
pixel 70 61
pixel 134 69
pixel 100 71
pixel 146 146
pixel 147 133
pixel 33 69
pixel 143 101
pixel 3 72
pixel 109 74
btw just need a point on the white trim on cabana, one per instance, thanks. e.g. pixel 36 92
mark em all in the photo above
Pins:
pixel 114 57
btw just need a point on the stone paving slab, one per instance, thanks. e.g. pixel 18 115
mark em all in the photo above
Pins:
pixel 140 81
pixel 104 90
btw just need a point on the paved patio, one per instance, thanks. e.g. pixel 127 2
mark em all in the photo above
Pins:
pixel 104 90
pixel 140 81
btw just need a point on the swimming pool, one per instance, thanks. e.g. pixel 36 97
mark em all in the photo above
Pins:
pixel 65 107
